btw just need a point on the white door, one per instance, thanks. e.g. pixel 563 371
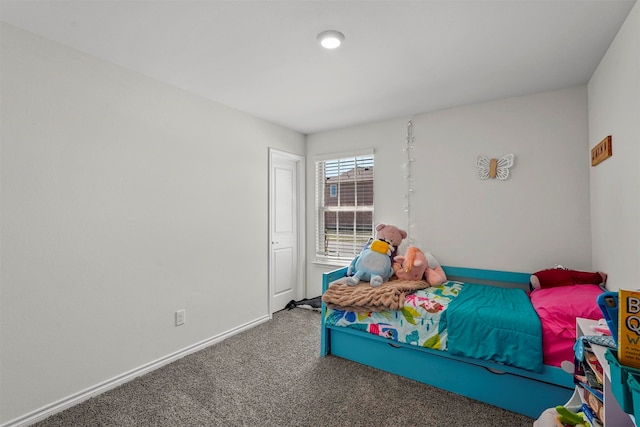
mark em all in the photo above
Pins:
pixel 286 191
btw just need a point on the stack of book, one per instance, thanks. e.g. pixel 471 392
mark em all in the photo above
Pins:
pixel 589 376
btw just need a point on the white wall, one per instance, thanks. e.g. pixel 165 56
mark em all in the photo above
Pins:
pixel 114 213
pixel 120 205
pixel 535 219
pixel 614 109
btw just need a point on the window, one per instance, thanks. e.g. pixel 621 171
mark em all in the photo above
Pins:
pixel 344 206
pixel 333 190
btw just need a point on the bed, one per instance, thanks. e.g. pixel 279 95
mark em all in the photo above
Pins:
pixel 433 335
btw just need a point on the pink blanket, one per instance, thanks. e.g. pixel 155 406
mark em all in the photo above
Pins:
pixel 558 308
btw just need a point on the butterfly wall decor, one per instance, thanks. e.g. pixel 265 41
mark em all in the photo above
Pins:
pixel 494 168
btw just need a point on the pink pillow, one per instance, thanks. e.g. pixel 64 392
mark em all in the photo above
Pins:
pixel 557 309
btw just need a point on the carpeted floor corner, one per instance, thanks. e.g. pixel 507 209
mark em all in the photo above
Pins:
pixel 272 375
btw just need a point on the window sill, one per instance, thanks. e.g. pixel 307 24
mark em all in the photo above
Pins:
pixel 332 262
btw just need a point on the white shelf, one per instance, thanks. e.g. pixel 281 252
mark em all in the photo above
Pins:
pixel 614 416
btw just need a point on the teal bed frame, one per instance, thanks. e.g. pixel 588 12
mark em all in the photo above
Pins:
pixel 517 390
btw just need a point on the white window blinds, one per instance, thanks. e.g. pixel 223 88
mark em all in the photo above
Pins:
pixel 344 206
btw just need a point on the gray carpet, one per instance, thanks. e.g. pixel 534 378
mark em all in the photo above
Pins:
pixel 272 375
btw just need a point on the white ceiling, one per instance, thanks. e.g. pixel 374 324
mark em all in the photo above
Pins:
pixel 399 58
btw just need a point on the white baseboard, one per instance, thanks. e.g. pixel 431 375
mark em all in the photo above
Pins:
pixel 74 399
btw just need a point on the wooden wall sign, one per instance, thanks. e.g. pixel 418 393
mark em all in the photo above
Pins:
pixel 602 151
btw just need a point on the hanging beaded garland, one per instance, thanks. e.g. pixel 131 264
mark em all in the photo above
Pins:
pixel 409 183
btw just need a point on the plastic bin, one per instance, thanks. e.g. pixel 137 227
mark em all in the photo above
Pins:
pixel 634 385
pixel 619 381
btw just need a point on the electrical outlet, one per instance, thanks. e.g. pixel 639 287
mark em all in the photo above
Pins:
pixel 180 317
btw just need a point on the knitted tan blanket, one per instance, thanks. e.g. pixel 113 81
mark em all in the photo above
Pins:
pixel 362 297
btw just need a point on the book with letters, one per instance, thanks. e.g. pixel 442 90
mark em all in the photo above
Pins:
pixel 629 328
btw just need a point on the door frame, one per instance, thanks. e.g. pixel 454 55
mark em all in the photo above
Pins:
pixel 301 217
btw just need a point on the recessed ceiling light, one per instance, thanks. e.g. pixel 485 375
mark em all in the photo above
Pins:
pixel 330 39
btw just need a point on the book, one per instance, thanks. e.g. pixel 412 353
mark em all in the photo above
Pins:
pixel 589 371
pixel 629 328
pixel 594 392
pixel 594 402
pixel 595 365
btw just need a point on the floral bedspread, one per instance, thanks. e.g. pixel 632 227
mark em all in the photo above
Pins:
pixel 420 322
